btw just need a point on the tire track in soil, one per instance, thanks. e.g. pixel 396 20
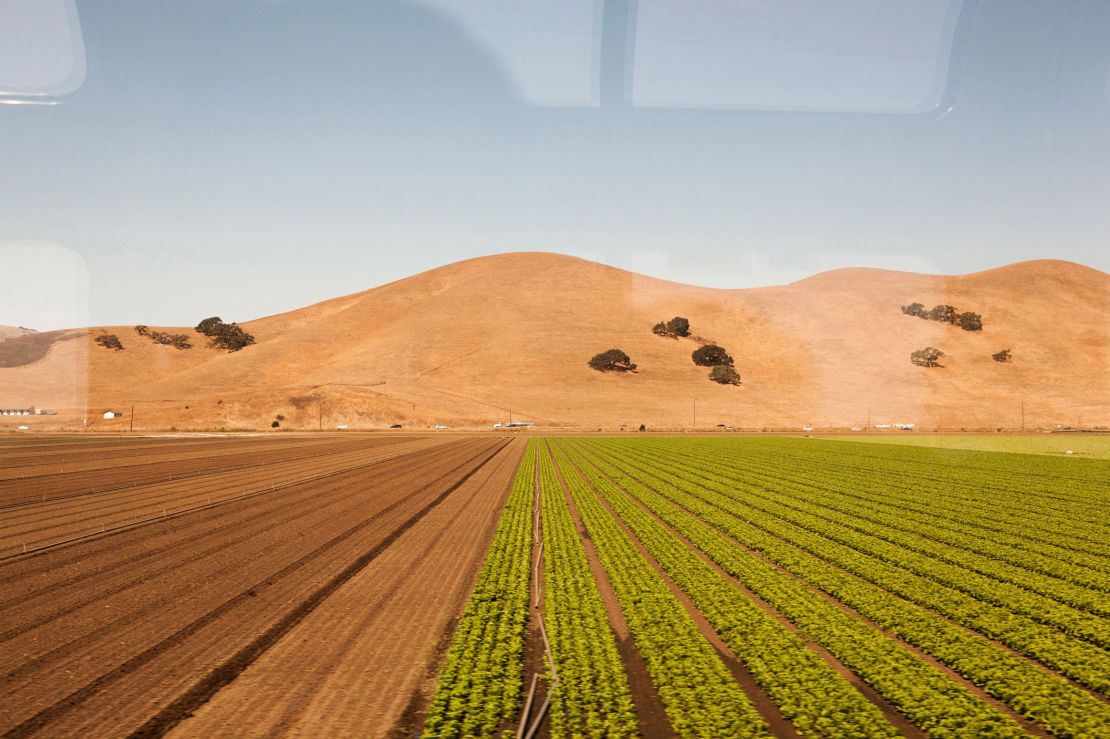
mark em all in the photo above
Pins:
pixel 132 616
pixel 53 559
pixel 200 694
pixel 331 697
pixel 272 509
pixel 169 642
pixel 69 522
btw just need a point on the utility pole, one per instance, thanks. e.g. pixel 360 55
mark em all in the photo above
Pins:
pixel 132 416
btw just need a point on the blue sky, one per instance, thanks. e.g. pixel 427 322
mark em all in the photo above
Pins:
pixel 244 158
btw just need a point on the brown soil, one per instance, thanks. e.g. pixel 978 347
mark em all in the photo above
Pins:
pixel 137 629
pixel 359 657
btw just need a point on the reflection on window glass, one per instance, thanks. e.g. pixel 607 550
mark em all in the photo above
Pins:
pixel 548 48
pixel 866 55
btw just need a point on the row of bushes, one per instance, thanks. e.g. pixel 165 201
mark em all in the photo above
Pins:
pixel 177 341
pixel 930 357
pixel 968 321
pixel 229 336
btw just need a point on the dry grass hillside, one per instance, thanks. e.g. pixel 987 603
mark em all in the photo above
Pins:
pixel 464 343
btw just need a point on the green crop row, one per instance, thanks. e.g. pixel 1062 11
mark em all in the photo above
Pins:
pixel 918 690
pixel 699 694
pixel 957 495
pixel 481 682
pixel 592 697
pixel 1069 582
pixel 816 698
pixel 786 503
pixel 1064 709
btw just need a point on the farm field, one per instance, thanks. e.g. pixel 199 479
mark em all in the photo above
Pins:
pixel 457 586
pixel 787 587
pixel 1080 444
pixel 264 558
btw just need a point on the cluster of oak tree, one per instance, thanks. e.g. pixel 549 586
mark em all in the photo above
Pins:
pixel 968 321
pixel 708 355
pixel 229 336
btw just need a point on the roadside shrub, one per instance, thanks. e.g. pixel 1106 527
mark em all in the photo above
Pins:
pixel 612 360
pixel 711 355
pixel 109 341
pixel 1002 356
pixel 643 427
pixel 725 375
pixel 927 357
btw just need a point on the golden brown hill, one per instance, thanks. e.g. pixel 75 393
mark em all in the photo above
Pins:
pixel 464 343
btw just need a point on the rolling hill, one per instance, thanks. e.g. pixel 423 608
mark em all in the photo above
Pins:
pixel 465 343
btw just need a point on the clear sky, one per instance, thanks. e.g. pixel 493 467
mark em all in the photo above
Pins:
pixel 240 158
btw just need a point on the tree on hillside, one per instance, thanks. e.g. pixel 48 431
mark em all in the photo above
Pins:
pixel 612 360
pixel 970 321
pixel 944 313
pixel 927 357
pixel 209 326
pixel 228 336
pixel 711 355
pixel 678 326
pixel 1002 356
pixel 915 309
pixel 109 341
pixel 725 375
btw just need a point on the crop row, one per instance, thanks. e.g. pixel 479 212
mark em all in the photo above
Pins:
pixel 1080 661
pixel 816 698
pixel 592 697
pixel 699 694
pixel 918 690
pixel 935 563
pixel 955 491
pixel 481 681
pixel 929 518
pixel 1033 691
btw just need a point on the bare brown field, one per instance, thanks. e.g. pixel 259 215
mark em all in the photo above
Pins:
pixel 266 544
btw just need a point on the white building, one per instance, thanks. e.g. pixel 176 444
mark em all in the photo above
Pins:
pixel 112 414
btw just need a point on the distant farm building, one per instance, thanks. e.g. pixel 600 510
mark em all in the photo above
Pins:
pixel 17 411
pixel 112 414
